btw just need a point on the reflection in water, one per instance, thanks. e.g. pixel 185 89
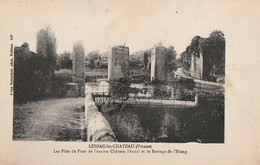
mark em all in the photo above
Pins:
pixel 159 124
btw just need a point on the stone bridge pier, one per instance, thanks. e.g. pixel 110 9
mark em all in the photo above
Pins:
pixel 118 63
pixel 158 63
pixel 79 67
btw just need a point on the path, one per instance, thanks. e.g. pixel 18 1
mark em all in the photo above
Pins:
pixel 51 119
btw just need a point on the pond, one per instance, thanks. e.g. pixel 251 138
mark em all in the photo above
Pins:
pixel 203 123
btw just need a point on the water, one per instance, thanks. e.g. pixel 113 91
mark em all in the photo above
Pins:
pixel 203 123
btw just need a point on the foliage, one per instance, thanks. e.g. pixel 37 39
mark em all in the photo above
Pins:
pixel 214 48
pixel 46 47
pixel 213 51
pixel 64 61
pixel 29 80
pixel 171 57
pixel 34 73
pixel 92 63
pixel 103 65
pixel 147 55
pixel 93 55
pixel 94 59
pixel 135 63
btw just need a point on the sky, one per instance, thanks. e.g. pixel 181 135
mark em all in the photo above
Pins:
pixel 100 24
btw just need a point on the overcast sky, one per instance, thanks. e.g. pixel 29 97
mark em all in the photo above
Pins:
pixel 100 24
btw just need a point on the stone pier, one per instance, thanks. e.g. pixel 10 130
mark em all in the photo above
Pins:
pixel 79 67
pixel 118 63
pixel 158 63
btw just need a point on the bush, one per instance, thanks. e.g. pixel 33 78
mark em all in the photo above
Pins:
pixel 29 80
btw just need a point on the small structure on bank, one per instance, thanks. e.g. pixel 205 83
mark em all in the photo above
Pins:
pixel 118 63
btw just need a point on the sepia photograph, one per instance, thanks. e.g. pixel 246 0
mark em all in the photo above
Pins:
pixel 129 82
pixel 150 95
pixel 49 90
pixel 157 94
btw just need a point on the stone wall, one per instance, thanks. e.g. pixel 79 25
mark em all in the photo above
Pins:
pixel 118 63
pixel 98 128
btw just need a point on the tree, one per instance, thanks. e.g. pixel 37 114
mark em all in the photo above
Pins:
pixel 98 63
pixel 217 34
pixel 46 47
pixel 145 60
pixel 94 58
pixel 171 58
pixel 64 61
pixel 214 48
pixel 92 63
pixel 93 55
pixel 29 81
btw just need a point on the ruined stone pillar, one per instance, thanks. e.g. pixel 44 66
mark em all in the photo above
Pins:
pixel 158 64
pixel 79 67
pixel 118 63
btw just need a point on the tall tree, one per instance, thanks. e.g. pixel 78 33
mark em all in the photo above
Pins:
pixel 171 57
pixel 46 47
pixel 64 61
pixel 214 47
pixel 145 60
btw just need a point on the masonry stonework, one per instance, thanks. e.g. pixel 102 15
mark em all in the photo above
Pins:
pixel 79 65
pixel 196 69
pixel 79 69
pixel 118 63
pixel 158 63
